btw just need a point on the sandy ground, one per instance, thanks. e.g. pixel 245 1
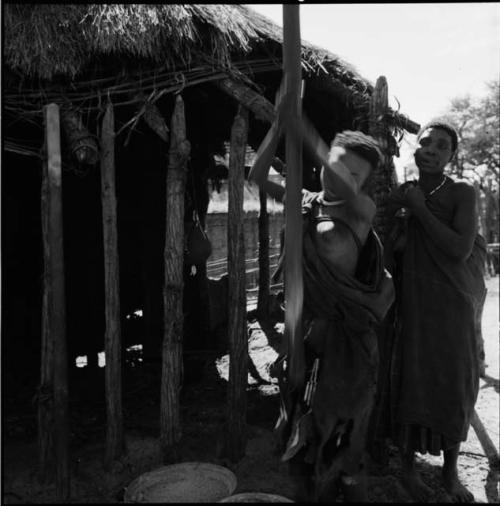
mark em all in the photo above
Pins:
pixel 203 416
pixel 474 468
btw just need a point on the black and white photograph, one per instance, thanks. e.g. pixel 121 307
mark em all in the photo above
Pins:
pixel 250 253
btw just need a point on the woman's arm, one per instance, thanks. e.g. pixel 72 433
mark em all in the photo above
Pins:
pixel 456 240
pixel 267 149
pixel 263 160
pixel 346 186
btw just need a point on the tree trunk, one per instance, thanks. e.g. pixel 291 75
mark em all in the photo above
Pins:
pixel 492 214
pixel 384 179
pixel 264 276
pixel 115 444
pixel 53 431
pixel 170 431
pixel 237 324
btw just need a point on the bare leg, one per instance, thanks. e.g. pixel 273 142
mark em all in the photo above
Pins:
pixel 451 482
pixel 411 479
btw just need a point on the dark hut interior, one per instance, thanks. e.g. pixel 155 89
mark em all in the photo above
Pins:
pixel 137 57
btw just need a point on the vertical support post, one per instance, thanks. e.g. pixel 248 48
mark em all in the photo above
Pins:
pixel 384 179
pixel 170 430
pixel 237 322
pixel 53 436
pixel 45 397
pixel 264 276
pixel 115 444
pixel 379 187
pixel 294 285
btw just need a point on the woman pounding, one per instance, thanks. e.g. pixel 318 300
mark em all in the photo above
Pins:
pixel 323 424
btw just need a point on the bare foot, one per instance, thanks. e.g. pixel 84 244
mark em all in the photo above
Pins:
pixel 455 489
pixel 418 490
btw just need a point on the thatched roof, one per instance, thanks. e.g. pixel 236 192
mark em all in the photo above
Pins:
pixel 45 40
pixel 61 42
pixel 79 54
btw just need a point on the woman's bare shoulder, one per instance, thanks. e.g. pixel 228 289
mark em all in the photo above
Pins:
pixel 462 189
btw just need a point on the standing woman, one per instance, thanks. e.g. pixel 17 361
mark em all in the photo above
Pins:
pixel 438 262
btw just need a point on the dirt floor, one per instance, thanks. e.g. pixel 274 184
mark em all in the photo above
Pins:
pixel 203 417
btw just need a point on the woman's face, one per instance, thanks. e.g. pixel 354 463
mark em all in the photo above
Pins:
pixel 434 151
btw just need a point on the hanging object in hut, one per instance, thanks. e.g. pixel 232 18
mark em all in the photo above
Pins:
pixel 82 144
pixel 155 121
pixel 197 248
pixel 153 118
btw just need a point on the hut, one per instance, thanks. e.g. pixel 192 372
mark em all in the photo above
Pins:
pixel 115 73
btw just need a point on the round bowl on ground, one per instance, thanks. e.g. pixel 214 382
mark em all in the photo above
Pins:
pixel 184 482
pixel 255 497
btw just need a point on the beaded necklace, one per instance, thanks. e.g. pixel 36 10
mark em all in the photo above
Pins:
pixel 437 188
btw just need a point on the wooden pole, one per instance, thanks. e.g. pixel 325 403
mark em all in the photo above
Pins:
pixel 379 187
pixel 237 322
pixel 46 387
pixel 115 444
pixel 264 275
pixel 53 435
pixel 485 440
pixel 170 430
pixel 385 178
pixel 253 101
pixel 294 286
pixel 264 110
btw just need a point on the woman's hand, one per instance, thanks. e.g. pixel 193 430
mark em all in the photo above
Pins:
pixel 397 197
pixel 415 198
pixel 408 194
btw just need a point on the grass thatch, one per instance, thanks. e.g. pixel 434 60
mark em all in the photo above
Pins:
pixel 79 54
pixel 46 40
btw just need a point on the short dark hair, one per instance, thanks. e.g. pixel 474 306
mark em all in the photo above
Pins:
pixel 363 145
pixel 445 125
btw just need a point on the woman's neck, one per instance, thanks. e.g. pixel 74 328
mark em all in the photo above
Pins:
pixel 429 181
